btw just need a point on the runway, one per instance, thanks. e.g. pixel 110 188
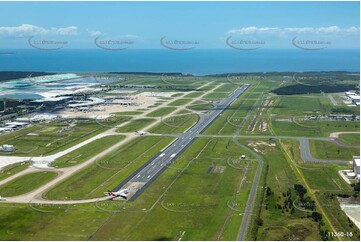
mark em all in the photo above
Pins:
pixel 145 175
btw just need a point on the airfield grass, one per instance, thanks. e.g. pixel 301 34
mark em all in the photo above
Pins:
pixel 177 95
pixel 107 172
pixel 49 222
pixel 183 111
pixel 180 102
pixel 288 108
pixel 312 128
pixel 50 138
pixel 12 169
pixel 162 83
pixel 310 104
pixel 198 214
pixel 326 177
pixel 26 183
pixel 232 118
pixel 350 139
pixel 327 150
pixel 280 224
pixel 216 95
pixel 156 104
pixel 183 84
pixel 128 113
pixel 87 151
pixel 136 124
pixel 209 87
pixel 319 176
pixel 194 94
pixel 200 106
pixel 161 112
pixel 226 88
pixel 290 105
pixel 175 124
pixel 289 128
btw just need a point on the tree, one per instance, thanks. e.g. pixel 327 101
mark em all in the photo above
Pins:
pixel 317 217
pixel 300 190
pixel 259 221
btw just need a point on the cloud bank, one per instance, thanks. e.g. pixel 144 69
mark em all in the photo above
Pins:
pixel 26 30
pixel 285 31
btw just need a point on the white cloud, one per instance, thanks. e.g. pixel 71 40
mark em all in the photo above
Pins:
pixel 26 30
pixel 104 35
pixel 285 31
pixel 94 32
pixel 132 36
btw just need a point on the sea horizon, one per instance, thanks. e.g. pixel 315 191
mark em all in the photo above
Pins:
pixel 196 61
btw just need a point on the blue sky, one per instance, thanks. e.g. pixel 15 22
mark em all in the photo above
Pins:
pixel 200 24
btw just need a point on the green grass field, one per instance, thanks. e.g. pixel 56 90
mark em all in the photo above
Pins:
pixel 205 203
pixel 10 170
pixel 216 95
pixel 290 105
pixel 226 88
pixel 135 125
pixel 281 224
pixel 200 106
pixel 128 113
pixel 350 139
pixel 174 124
pixel 53 137
pixel 326 177
pixel 180 102
pixel 107 172
pixel 311 128
pixel 327 150
pixel 86 152
pixel 26 183
pixel 161 112
pixel 194 94
pixel 232 118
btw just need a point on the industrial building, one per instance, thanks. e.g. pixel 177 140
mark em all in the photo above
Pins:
pixel 353 96
pixel 353 174
pixel 7 148
pixel 50 101
pixel 356 167
pixel 90 102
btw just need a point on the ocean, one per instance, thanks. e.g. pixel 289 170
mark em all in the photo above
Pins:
pixel 197 62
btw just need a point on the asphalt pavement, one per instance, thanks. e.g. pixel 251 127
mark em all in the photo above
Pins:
pixel 308 157
pixel 145 175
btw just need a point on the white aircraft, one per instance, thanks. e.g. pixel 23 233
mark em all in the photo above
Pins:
pixel 142 132
pixel 121 193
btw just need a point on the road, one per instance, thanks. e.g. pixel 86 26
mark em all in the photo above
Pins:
pixel 307 156
pixel 145 175
pixel 265 137
pixel 252 195
pixel 332 100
